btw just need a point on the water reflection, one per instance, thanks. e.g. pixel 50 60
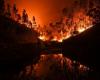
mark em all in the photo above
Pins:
pixel 54 67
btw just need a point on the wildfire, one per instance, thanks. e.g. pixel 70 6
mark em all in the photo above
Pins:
pixel 66 28
pixel 76 19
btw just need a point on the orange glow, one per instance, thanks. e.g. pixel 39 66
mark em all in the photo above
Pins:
pixel 59 32
pixel 48 11
pixel 45 11
pixel 43 66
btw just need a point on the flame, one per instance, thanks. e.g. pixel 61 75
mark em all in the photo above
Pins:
pixel 66 28
pixel 70 25
pixel 63 29
pixel 42 38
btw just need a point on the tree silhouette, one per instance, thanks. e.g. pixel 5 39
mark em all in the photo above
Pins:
pixel 24 16
pixel 15 10
pixel 2 6
pixel 33 21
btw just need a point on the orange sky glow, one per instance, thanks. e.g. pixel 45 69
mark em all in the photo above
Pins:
pixel 45 11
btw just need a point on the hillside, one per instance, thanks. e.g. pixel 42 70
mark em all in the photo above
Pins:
pixel 84 47
pixel 17 45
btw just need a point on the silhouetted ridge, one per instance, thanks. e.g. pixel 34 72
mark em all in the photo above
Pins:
pixel 84 47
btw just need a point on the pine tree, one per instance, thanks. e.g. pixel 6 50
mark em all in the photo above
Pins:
pixel 33 21
pixel 15 10
pixel 24 16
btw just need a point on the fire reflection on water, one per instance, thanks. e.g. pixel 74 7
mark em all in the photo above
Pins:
pixel 48 64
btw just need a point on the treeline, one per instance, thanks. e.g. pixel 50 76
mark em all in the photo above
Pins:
pixel 13 13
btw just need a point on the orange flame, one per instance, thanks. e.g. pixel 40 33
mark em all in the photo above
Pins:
pixel 66 28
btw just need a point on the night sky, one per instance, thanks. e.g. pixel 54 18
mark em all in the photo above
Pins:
pixel 45 11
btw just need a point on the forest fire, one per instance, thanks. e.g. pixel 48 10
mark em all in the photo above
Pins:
pixel 34 48
pixel 76 19
pixel 66 28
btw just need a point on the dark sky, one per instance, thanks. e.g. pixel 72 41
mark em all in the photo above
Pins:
pixel 45 11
